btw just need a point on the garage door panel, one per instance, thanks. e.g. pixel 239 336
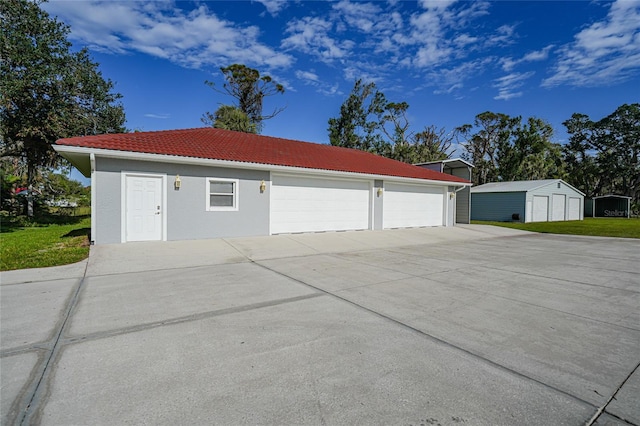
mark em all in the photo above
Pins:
pixel 412 205
pixel 558 207
pixel 574 208
pixel 300 204
pixel 540 208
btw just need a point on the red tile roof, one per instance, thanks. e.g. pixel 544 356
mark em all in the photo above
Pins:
pixel 218 144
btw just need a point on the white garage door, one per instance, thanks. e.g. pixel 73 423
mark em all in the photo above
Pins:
pixel 540 208
pixel 412 205
pixel 302 204
pixel 574 208
pixel 558 207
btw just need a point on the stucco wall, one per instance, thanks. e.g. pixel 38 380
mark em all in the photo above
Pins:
pixel 187 217
pixel 378 201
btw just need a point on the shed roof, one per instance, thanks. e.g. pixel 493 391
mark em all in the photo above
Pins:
pixel 517 186
pixel 612 196
pixel 226 145
pixel 450 162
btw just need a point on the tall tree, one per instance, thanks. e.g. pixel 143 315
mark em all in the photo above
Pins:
pixel 229 117
pixel 367 121
pixel 433 144
pixel 505 149
pixel 530 154
pixel 358 124
pixel 47 91
pixel 493 131
pixel 604 156
pixel 249 89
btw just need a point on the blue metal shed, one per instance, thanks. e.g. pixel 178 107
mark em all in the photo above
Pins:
pixel 527 201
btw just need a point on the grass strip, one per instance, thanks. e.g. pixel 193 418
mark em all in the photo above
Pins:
pixel 599 227
pixel 44 246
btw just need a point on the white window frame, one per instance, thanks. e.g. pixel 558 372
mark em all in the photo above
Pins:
pixel 236 198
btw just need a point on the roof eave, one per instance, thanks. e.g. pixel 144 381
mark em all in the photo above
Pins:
pixel 77 152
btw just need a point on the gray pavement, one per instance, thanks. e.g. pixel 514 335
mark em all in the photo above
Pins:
pixel 468 325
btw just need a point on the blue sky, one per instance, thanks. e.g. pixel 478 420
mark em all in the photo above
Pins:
pixel 450 60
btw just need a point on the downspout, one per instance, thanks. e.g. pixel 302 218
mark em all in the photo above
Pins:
pixel 92 160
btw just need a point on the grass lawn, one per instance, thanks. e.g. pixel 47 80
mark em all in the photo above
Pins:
pixel 42 246
pixel 601 227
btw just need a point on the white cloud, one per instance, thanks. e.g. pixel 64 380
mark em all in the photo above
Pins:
pixel 438 30
pixel 435 5
pixel 504 35
pixel 192 39
pixel 307 75
pixel 509 84
pixel 158 116
pixel 603 53
pixel 310 78
pixel 449 90
pixel 509 64
pixel 362 16
pixel 311 35
pixel 451 80
pixel 538 55
pixel 273 6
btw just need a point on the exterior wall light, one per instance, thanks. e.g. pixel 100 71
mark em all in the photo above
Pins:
pixel 379 192
pixel 263 186
pixel 177 183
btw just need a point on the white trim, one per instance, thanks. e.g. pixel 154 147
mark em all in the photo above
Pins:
pixel 123 202
pixel 236 196
pixel 94 199
pixel 129 155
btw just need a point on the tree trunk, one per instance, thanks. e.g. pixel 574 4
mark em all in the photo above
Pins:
pixel 30 178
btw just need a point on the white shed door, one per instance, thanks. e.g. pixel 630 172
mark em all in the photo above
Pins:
pixel 574 208
pixel 143 208
pixel 558 207
pixel 540 208
pixel 412 205
pixel 303 204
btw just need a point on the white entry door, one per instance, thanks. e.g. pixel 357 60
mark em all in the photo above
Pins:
pixel 540 208
pixel 559 201
pixel 143 208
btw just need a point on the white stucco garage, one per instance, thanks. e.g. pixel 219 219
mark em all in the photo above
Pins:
pixel 211 183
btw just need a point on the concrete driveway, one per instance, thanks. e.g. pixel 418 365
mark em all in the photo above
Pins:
pixel 469 325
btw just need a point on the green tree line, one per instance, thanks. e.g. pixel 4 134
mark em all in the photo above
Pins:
pixel 600 157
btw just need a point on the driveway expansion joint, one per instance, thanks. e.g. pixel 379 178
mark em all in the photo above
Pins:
pixel 40 388
pixel 73 339
pixel 603 408
pixel 436 339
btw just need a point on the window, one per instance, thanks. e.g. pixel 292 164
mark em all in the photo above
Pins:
pixel 222 194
